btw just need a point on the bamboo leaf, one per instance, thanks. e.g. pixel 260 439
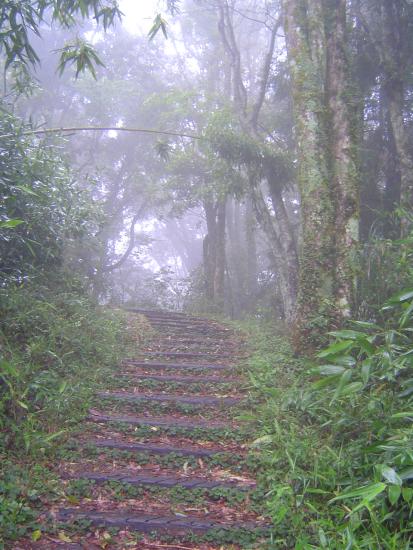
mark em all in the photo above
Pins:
pixel 335 348
pixel 390 475
pixel 394 492
pixel 328 370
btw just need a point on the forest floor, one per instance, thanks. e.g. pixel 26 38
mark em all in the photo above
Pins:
pixel 163 459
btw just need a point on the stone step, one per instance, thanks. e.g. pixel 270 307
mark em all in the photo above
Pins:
pixel 169 398
pixel 161 421
pixel 162 481
pixel 164 365
pixel 158 321
pixel 164 314
pixel 155 449
pixel 183 379
pixel 195 340
pixel 146 523
pixel 185 354
pixel 189 330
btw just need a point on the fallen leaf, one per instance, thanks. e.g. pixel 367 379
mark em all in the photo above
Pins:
pixel 72 499
pixel 36 535
pixel 63 537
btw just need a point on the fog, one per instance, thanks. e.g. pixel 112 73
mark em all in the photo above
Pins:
pixel 202 211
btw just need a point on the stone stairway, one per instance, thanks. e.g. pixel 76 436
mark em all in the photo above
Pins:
pixel 169 424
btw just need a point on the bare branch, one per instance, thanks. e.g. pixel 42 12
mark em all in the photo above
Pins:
pixel 100 129
pixel 131 246
pixel 264 77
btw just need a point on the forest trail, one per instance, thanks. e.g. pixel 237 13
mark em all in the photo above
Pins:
pixel 163 452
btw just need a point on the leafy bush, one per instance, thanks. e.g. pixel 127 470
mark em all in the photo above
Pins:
pixel 45 213
pixel 54 348
pixel 335 441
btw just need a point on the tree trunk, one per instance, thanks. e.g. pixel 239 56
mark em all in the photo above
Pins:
pixel 391 199
pixel 306 49
pixel 342 156
pixel 287 241
pixel 394 64
pixel 214 252
pixel 219 276
pixel 274 232
pixel 251 255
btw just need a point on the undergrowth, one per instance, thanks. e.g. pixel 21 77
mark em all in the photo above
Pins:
pixel 57 348
pixel 334 434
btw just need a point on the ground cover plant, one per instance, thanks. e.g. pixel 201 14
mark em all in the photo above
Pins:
pixel 335 433
pixel 55 351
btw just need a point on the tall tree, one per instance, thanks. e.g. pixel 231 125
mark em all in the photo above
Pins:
pixel 327 172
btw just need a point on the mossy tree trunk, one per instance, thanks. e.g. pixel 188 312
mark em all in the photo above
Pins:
pixel 327 171
pixel 305 45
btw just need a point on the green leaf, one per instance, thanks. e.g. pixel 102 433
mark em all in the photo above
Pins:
pixel 326 381
pixel 406 315
pixel 351 388
pixel 54 436
pixel 390 475
pixel 366 346
pixel 158 24
pixel 407 494
pixel 10 224
pixel 336 348
pixel 323 538
pixel 394 492
pixel 404 414
pixel 347 334
pixel 406 474
pixel 365 370
pixel 344 380
pixel 328 370
pixel 27 190
pixel 367 493
pixel 366 325
pixel 36 535
pixel 400 297
pixel 344 360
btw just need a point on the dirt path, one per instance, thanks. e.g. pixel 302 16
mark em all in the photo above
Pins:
pixel 161 461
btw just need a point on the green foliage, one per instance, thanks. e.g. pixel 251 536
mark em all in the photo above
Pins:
pixel 82 55
pixel 22 488
pixel 57 348
pixel 335 440
pixel 239 149
pixel 54 348
pixel 44 209
pixel 159 24
pixel 386 266
pixel 18 20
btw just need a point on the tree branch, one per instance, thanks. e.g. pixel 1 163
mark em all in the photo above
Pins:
pixel 264 78
pixel 100 129
pixel 131 246
pixel 226 30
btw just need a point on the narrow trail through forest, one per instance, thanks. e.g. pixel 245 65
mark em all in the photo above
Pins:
pixel 163 451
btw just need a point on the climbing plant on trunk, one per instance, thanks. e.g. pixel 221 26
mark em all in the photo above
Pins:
pixel 327 170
